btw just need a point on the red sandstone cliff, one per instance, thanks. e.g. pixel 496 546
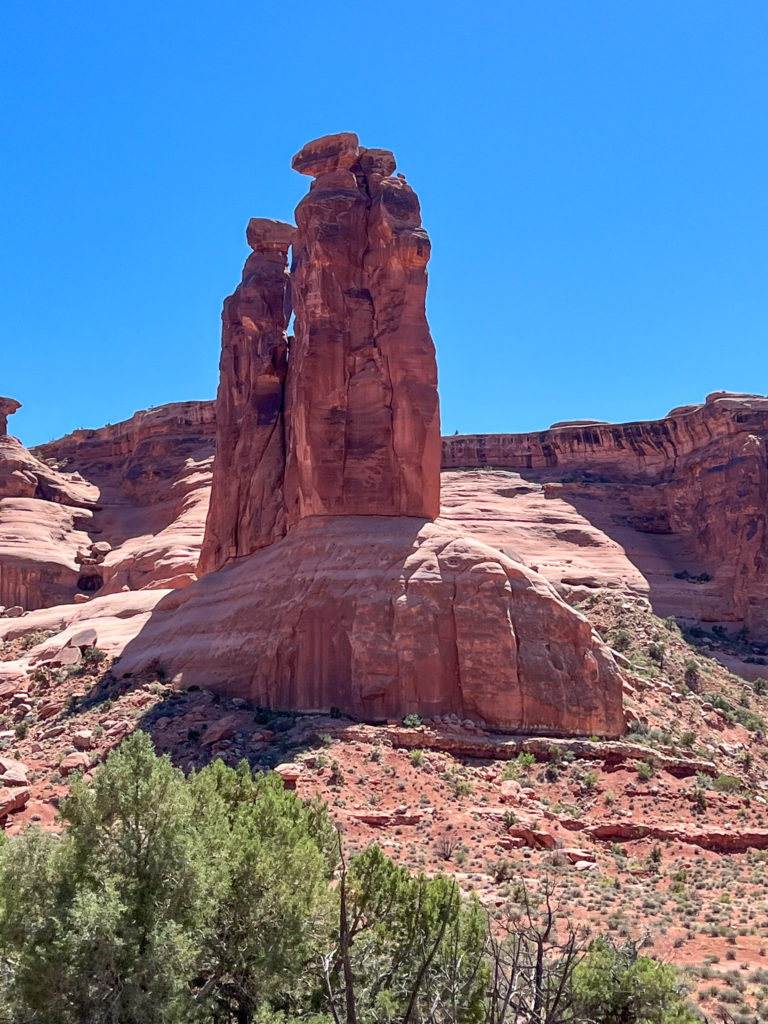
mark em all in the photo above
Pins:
pixel 102 510
pixel 684 495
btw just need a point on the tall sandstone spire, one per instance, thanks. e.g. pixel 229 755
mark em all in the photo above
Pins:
pixel 363 421
pixel 328 580
pixel 350 425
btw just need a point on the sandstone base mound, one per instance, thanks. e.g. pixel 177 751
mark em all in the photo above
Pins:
pixel 383 616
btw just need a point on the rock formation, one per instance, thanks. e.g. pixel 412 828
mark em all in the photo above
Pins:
pixel 354 429
pixel 364 604
pixel 382 616
pixel 8 406
pixel 100 510
pixel 247 510
pixel 363 430
pixel 686 497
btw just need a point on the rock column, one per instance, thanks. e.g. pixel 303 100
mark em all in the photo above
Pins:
pixel 246 509
pixel 362 413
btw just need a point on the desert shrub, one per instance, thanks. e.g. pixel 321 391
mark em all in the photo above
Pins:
pixel 727 784
pixel 620 640
pixel 656 652
pixel 615 985
pixel 93 656
pixel 222 897
pixel 692 674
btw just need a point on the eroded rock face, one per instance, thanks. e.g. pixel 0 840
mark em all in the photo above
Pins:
pixel 247 509
pixel 685 497
pixel 44 516
pixel 99 510
pixel 381 616
pixel 362 413
pixel 152 476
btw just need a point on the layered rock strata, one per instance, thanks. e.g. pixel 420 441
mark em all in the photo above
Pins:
pixel 103 510
pixel 686 497
pixel 382 616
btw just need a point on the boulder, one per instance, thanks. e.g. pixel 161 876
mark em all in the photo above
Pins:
pixel 13 799
pixel 84 739
pixel 12 772
pixel 289 773
pixel 326 155
pixel 223 729
pixel 67 657
pixel 84 638
pixel 76 762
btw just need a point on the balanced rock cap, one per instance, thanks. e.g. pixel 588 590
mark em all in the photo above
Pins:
pixel 378 161
pixel 263 234
pixel 327 154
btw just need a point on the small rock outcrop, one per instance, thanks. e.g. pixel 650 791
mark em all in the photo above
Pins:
pixel 8 406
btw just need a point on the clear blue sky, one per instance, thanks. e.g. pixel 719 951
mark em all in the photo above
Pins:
pixel 594 176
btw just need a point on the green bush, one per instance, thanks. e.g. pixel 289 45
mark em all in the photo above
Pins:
pixel 614 985
pixel 727 784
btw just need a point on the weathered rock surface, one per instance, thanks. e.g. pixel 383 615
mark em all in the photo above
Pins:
pixel 44 516
pixel 362 413
pixel 247 510
pixel 383 616
pixel 684 495
pixel 100 510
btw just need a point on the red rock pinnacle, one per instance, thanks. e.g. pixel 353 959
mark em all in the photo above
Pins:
pixel 247 509
pixel 362 408
pixel 350 425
